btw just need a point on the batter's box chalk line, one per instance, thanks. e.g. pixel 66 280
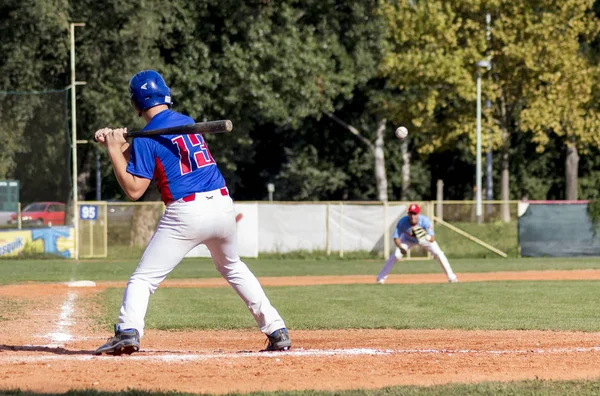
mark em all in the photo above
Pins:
pixel 191 356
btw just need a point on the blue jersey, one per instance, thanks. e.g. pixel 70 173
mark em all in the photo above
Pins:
pixel 403 228
pixel 180 164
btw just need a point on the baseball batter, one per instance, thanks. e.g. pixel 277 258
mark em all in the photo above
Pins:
pixel 198 211
pixel 415 229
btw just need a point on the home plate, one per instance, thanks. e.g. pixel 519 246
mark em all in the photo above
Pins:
pixel 82 283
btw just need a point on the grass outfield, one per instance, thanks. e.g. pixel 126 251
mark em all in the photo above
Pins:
pixel 523 388
pixel 17 271
pixel 523 305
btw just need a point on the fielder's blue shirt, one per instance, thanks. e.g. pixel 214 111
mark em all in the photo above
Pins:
pixel 180 164
pixel 403 228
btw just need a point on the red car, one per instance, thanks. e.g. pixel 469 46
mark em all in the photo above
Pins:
pixel 42 213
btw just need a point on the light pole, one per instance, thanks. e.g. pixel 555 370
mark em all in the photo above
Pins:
pixel 482 64
pixel 489 186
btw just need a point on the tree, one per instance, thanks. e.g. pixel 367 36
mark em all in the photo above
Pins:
pixel 533 45
pixel 563 103
pixel 434 45
pixel 34 49
pixel 267 66
pixel 377 150
pixel 428 71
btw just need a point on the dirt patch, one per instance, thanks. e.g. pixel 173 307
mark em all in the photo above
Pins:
pixel 49 349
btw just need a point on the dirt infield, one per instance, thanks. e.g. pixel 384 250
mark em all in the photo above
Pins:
pixel 48 349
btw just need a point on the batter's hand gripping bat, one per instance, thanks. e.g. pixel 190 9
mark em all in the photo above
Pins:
pixel 221 126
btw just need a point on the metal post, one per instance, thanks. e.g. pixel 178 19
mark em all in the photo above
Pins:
pixel 19 220
pixel 341 230
pixel 91 237
pixel 386 232
pixel 478 166
pixel 489 186
pixel 74 140
pixel 440 199
pixel 271 189
pixel 327 244
pixel 98 178
pixel 105 229
pixel 489 183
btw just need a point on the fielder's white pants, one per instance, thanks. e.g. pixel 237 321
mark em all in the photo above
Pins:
pixel 183 226
pixel 431 247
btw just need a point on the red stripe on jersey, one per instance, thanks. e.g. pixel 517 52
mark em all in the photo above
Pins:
pixel 184 155
pixel 161 182
pixel 194 139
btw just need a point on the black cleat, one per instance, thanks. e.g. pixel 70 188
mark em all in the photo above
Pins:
pixel 124 342
pixel 279 340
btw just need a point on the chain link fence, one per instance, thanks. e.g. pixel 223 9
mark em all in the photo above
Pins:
pixel 498 227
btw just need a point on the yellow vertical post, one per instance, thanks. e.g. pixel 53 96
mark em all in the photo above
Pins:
pixel 19 221
pixel 74 139
pixel 91 237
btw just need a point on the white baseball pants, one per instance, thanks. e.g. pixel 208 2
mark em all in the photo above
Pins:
pixel 431 247
pixel 209 220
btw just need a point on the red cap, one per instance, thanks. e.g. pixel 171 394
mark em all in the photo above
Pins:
pixel 414 208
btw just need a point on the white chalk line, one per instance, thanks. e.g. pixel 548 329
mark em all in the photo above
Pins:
pixel 192 356
pixel 61 333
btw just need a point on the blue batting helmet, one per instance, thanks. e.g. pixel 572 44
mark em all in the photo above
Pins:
pixel 148 89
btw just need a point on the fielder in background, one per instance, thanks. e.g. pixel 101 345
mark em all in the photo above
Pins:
pixel 198 211
pixel 415 229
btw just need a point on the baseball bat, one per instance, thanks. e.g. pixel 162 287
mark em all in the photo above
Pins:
pixel 221 126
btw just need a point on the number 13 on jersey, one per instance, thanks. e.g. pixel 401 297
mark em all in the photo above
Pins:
pixel 193 153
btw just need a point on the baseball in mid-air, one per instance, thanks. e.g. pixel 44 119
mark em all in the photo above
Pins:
pixel 401 132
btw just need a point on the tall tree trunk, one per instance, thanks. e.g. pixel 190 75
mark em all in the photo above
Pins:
pixel 380 176
pixel 376 149
pixel 405 171
pixel 571 170
pixel 505 186
pixel 83 178
pixel 145 217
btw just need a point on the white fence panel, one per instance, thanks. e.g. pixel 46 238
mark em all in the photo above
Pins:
pixel 284 228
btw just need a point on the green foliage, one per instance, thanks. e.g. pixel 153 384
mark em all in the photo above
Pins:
pixel 593 209
pixel 305 178
pixel 541 78
pixel 34 49
pixel 275 67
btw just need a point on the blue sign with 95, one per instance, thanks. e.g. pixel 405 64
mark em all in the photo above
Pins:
pixel 88 212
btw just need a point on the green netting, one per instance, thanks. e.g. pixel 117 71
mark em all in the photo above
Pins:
pixel 557 230
pixel 35 144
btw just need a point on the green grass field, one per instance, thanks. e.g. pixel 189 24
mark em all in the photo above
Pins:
pixel 522 388
pixel 501 305
pixel 15 271
pixel 518 305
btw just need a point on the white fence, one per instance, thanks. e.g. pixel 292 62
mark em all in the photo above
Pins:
pixel 329 227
